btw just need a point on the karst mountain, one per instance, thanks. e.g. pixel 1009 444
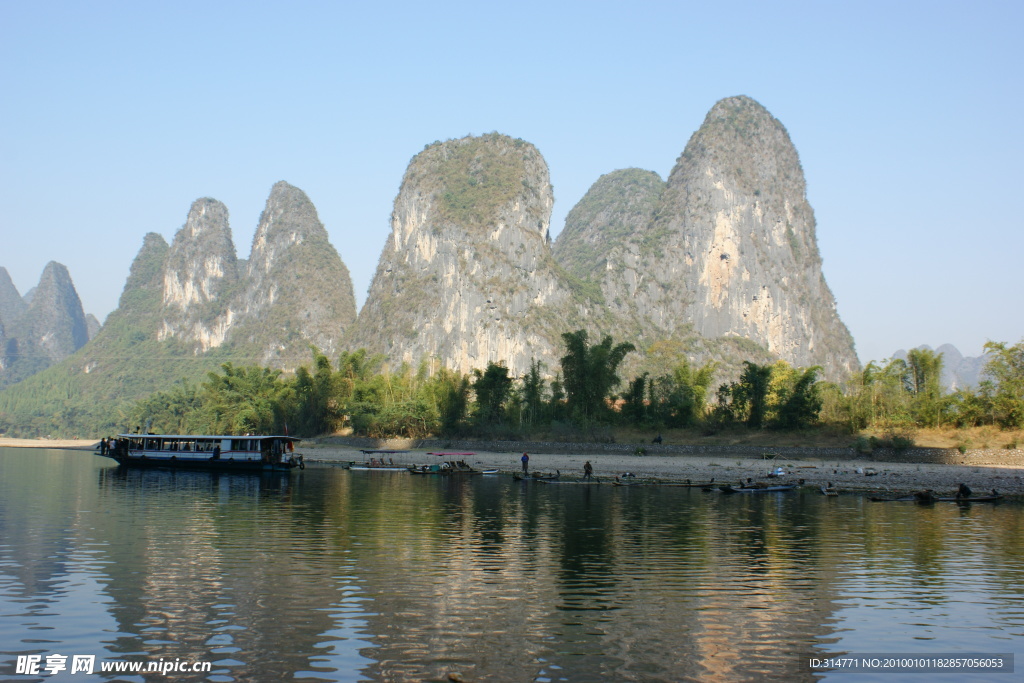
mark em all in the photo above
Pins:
pixel 718 262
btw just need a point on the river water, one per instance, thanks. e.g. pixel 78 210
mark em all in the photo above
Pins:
pixel 331 575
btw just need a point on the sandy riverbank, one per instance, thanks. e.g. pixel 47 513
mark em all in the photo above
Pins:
pixel 847 475
pixel 60 444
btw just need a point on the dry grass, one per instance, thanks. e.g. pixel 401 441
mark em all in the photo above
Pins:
pixel 830 437
pixel 821 437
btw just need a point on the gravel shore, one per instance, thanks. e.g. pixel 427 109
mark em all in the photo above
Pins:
pixel 846 475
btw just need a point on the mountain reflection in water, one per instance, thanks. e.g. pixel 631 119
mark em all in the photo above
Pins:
pixel 327 574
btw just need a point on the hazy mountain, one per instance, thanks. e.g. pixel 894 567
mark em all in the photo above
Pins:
pixel 11 303
pixel 188 307
pixel 92 325
pixel 47 330
pixel 958 371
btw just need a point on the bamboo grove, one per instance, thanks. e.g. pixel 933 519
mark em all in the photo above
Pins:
pixel 359 393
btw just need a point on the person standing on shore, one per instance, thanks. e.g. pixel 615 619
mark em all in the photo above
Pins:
pixel 526 463
pixel 588 470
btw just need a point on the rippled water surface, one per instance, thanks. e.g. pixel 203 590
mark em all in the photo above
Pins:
pixel 331 575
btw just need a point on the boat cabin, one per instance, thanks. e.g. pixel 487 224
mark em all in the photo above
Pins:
pixel 183 448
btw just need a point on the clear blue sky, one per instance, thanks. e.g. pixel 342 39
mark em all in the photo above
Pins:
pixel 115 116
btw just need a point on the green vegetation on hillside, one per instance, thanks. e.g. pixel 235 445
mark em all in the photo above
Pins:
pixel 360 395
pixel 478 176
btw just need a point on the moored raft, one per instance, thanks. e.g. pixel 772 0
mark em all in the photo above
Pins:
pixel 447 468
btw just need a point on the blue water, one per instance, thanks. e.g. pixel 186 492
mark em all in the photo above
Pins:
pixel 331 575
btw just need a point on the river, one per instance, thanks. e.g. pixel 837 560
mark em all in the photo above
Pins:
pixel 330 575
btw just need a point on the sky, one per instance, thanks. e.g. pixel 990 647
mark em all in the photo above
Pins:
pixel 116 116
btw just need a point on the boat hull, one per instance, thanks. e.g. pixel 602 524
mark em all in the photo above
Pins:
pixel 219 465
pixel 377 468
pixel 761 489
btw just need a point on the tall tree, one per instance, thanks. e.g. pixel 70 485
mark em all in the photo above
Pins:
pixel 751 393
pixel 533 394
pixel 245 400
pixel 800 403
pixel 635 409
pixel 316 408
pixel 492 387
pixel 1005 370
pixel 589 373
pixel 924 372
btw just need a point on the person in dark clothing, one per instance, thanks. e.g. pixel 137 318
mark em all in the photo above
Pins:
pixel 964 491
pixel 588 470
pixel 526 463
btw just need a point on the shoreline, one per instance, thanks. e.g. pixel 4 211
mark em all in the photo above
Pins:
pixel 58 444
pixel 859 475
pixel 847 475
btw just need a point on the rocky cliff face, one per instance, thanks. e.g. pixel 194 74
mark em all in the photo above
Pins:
pixel 11 308
pixel 296 289
pixel 467 275
pixel 740 255
pixel 293 291
pixel 11 303
pixel 49 329
pixel 729 251
pixel 605 246
pixel 199 272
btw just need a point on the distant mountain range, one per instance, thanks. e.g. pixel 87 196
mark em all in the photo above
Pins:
pixel 42 328
pixel 719 262
pixel 958 371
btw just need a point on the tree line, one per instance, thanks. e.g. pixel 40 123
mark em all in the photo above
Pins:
pixel 359 392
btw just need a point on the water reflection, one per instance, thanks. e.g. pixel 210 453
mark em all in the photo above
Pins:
pixel 326 574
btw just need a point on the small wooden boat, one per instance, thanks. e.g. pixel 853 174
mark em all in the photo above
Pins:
pixel 537 476
pixel 763 488
pixel 380 451
pixel 449 467
pixel 830 490
pixel 391 467
pixel 449 454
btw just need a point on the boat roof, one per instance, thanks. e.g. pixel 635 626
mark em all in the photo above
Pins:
pixel 219 437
